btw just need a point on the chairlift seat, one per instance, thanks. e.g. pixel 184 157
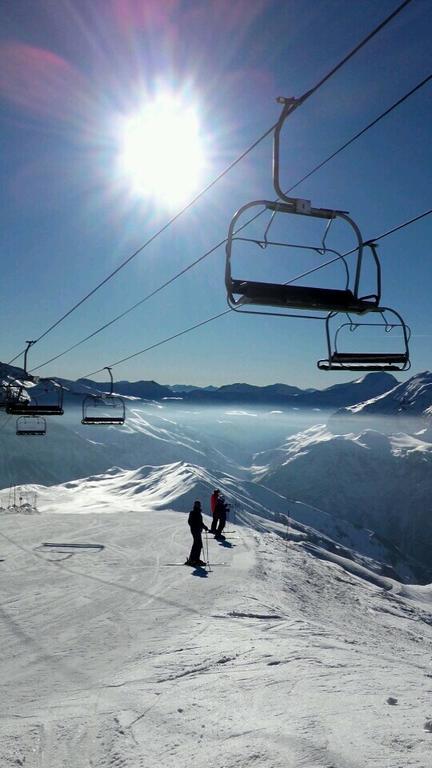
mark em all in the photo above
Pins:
pixel 102 420
pixel 365 357
pixel 325 365
pixel 364 361
pixel 22 409
pixel 24 432
pixel 300 297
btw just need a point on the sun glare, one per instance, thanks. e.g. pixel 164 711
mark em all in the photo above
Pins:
pixel 161 151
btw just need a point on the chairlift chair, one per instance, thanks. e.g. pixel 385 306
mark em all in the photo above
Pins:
pixel 338 360
pixel 243 294
pixel 47 402
pixel 33 406
pixel 31 425
pixel 104 409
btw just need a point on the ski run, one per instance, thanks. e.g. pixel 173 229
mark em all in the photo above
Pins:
pixel 289 656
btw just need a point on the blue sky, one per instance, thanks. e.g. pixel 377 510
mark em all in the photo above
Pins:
pixel 70 70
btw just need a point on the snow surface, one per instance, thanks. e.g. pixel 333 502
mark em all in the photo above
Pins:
pixel 307 642
pixel 280 658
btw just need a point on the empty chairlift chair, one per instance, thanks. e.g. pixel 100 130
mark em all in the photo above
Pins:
pixel 36 396
pixel 44 399
pixel 341 358
pixel 280 297
pixel 103 409
pixel 31 425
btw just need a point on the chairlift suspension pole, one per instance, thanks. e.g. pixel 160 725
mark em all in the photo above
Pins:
pixel 107 368
pixel 29 344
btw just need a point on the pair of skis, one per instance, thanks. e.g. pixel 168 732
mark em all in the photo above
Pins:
pixel 202 567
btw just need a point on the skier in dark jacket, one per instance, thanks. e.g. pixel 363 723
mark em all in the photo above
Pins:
pixel 221 516
pixel 213 507
pixel 196 525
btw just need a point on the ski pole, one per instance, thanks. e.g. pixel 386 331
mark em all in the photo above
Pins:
pixel 207 551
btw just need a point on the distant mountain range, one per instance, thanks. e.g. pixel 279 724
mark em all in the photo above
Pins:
pixel 373 392
pixel 336 396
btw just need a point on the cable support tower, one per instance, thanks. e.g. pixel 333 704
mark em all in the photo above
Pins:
pixel 208 253
pixel 291 106
pixel 227 311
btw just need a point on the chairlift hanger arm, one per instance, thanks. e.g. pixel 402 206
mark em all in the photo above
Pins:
pixel 288 107
pixel 107 368
pixel 29 344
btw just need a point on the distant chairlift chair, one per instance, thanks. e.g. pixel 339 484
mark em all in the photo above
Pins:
pixel 338 360
pixel 45 398
pixel 47 402
pixel 104 409
pixel 31 425
pixel 246 295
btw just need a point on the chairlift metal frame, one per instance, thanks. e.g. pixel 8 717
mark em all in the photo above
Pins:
pixel 242 294
pixel 367 361
pixel 20 407
pixel 106 401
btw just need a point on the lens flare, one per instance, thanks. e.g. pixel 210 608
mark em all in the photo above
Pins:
pixel 161 151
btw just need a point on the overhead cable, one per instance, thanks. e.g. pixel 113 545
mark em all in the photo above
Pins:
pixel 174 218
pixel 246 224
pixel 151 239
pixel 371 241
pixel 221 314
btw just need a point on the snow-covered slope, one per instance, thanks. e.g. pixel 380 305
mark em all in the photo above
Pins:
pixel 379 481
pixel 280 658
pixel 411 398
pixel 176 486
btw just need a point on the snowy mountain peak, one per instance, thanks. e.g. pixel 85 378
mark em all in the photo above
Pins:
pixel 412 397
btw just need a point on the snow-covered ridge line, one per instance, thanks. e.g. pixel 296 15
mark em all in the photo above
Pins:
pixel 410 398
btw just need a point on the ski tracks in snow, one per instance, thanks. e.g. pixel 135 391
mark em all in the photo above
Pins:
pixel 280 660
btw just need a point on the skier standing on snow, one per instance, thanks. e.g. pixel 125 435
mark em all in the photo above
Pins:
pixel 220 517
pixel 196 525
pixel 213 504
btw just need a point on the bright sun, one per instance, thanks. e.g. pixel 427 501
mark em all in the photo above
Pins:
pixel 161 151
